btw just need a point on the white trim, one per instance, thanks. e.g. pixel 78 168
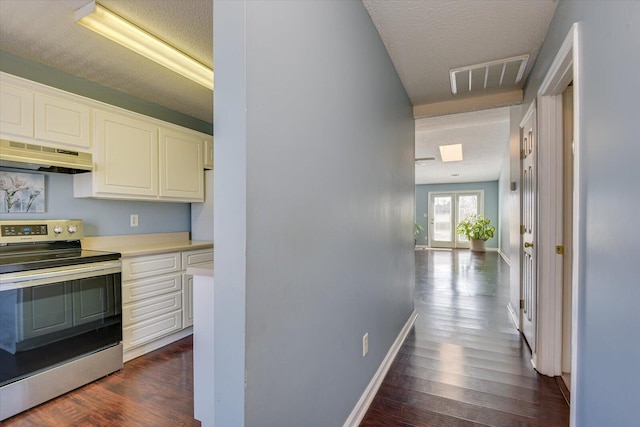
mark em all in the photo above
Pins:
pixel 363 404
pixel 564 69
pixel 577 208
pixel 515 317
pixel 504 257
pixel 549 336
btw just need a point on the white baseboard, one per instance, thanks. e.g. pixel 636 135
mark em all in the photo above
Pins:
pixel 514 316
pixel 504 257
pixel 363 404
pixel 154 345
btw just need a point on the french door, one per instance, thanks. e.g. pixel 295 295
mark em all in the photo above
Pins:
pixel 446 210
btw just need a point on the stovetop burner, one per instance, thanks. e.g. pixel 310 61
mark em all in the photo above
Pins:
pixel 34 245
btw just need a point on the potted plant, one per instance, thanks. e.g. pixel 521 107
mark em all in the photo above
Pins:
pixel 417 228
pixel 478 230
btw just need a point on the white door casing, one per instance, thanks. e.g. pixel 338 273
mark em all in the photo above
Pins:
pixel 528 249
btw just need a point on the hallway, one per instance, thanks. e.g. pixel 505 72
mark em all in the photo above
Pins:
pixel 464 363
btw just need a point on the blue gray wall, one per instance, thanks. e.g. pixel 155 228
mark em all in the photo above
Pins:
pixel 608 349
pixel 490 205
pixel 505 198
pixel 103 217
pixel 324 148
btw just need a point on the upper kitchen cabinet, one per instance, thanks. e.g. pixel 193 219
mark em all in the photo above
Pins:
pixel 16 111
pixel 63 121
pixel 208 152
pixel 36 113
pixel 181 165
pixel 137 158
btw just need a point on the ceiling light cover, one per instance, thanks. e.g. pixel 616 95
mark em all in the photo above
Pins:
pixel 451 153
pixel 106 23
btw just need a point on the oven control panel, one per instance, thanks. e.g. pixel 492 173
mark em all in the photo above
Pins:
pixel 47 230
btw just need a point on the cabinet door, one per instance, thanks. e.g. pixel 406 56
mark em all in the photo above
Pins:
pixel 187 300
pixel 63 121
pixel 16 111
pixel 126 156
pixel 208 153
pixel 181 165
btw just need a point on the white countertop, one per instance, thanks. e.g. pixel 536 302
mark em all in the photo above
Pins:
pixel 205 269
pixel 145 244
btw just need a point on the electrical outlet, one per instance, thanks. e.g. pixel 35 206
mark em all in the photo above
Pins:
pixel 134 220
pixel 365 344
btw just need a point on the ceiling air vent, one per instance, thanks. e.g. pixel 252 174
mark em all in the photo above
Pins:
pixel 503 73
pixel 424 160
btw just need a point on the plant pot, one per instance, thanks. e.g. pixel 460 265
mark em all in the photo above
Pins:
pixel 478 245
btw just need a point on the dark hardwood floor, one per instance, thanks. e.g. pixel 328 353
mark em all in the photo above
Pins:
pixel 152 390
pixel 464 364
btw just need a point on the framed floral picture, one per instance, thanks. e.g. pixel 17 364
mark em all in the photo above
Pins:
pixel 21 192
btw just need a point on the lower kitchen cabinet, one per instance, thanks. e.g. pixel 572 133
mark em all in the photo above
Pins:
pixel 157 299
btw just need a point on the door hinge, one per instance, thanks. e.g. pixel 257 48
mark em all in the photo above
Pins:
pixel 523 229
pixel 521 303
pixel 560 250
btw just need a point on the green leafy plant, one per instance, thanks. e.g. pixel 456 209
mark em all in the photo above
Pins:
pixel 476 227
pixel 417 228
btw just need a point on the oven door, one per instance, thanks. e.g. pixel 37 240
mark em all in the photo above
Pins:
pixel 51 316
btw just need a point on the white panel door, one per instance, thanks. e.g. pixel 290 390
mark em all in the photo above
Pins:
pixel 528 195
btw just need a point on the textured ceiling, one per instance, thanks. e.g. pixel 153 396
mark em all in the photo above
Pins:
pixel 425 39
pixel 45 31
pixel 484 136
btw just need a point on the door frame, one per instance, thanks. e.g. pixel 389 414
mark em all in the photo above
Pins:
pixel 565 68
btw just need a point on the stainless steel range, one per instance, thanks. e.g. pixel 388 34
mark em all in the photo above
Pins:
pixel 60 312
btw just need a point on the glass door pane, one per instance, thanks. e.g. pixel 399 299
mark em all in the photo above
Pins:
pixel 441 224
pixel 467 204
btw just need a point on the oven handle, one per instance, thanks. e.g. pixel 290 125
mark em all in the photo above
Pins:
pixel 25 279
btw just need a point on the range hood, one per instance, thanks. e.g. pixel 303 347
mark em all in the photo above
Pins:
pixel 37 157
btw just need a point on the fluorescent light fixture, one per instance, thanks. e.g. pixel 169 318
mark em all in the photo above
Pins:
pixel 451 153
pixel 106 23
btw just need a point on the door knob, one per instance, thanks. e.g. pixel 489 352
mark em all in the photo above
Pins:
pixel 528 245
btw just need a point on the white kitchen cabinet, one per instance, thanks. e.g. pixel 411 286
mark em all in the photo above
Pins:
pixel 16 111
pixel 208 152
pixel 136 159
pixel 181 165
pixel 46 116
pixel 189 259
pixel 125 159
pixel 62 121
pixel 157 299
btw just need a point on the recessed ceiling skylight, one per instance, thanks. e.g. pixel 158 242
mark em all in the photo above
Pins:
pixel 451 153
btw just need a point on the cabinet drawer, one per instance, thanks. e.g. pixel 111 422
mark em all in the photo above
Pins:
pixel 150 265
pixel 152 329
pixel 197 257
pixel 139 289
pixel 151 308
